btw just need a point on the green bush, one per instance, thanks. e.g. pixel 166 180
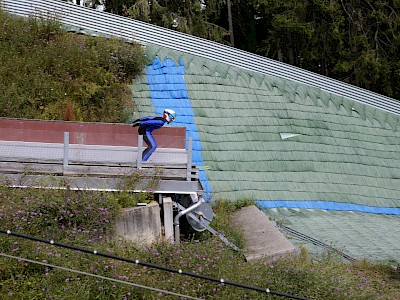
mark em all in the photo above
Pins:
pixel 58 214
pixel 47 73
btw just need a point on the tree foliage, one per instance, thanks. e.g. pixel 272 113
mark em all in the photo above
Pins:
pixel 193 17
pixel 355 41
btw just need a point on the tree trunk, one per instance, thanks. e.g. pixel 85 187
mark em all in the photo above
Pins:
pixel 228 3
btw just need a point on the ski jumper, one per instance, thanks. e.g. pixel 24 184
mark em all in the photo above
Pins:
pixel 146 127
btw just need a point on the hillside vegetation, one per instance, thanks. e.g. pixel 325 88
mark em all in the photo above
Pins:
pixel 48 74
pixel 85 219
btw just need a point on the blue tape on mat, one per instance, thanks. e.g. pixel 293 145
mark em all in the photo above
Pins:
pixel 328 205
pixel 168 90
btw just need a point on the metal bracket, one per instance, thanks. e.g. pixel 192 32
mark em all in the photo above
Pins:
pixel 213 231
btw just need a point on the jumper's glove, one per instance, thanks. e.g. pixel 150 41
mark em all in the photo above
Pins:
pixel 136 123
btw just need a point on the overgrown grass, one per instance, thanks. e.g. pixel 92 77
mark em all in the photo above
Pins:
pixel 85 219
pixel 47 73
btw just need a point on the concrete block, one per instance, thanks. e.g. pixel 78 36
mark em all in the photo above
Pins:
pixel 140 224
pixel 262 238
pixel 168 219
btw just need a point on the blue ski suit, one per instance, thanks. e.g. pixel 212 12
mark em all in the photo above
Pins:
pixel 146 127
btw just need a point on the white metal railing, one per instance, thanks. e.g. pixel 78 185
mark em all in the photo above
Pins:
pixel 139 161
pixel 189 167
pixel 113 25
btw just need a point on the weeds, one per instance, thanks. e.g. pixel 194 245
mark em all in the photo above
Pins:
pixel 134 190
pixel 85 219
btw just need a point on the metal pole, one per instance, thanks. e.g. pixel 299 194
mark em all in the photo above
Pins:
pixel 189 160
pixel 66 148
pixel 197 203
pixel 140 151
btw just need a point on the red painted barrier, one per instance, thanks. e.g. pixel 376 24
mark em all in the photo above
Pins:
pixel 108 134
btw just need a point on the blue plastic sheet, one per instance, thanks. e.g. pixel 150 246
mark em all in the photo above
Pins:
pixel 328 205
pixel 168 90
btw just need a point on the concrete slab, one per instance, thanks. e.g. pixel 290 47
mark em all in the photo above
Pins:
pixel 141 224
pixel 262 238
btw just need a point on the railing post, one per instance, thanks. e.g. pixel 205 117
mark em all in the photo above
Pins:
pixel 140 151
pixel 168 219
pixel 189 160
pixel 66 148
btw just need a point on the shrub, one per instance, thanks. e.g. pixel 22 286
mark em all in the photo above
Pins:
pixel 46 71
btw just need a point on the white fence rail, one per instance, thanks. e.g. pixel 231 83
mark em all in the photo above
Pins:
pixel 68 155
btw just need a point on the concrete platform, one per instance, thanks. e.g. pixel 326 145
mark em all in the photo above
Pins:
pixel 263 239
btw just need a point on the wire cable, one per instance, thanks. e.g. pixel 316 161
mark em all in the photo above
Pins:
pixel 99 276
pixel 315 242
pixel 179 271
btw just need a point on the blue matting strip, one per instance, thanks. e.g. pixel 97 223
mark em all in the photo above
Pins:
pixel 168 90
pixel 328 205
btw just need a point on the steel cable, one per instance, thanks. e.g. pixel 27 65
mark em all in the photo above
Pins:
pixel 307 238
pixel 150 265
pixel 99 276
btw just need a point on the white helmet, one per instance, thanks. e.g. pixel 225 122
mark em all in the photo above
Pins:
pixel 169 115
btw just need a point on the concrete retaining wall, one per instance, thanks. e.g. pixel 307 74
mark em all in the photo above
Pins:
pixel 263 239
pixel 140 224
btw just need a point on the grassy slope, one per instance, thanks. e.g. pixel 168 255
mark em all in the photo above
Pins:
pixel 84 219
